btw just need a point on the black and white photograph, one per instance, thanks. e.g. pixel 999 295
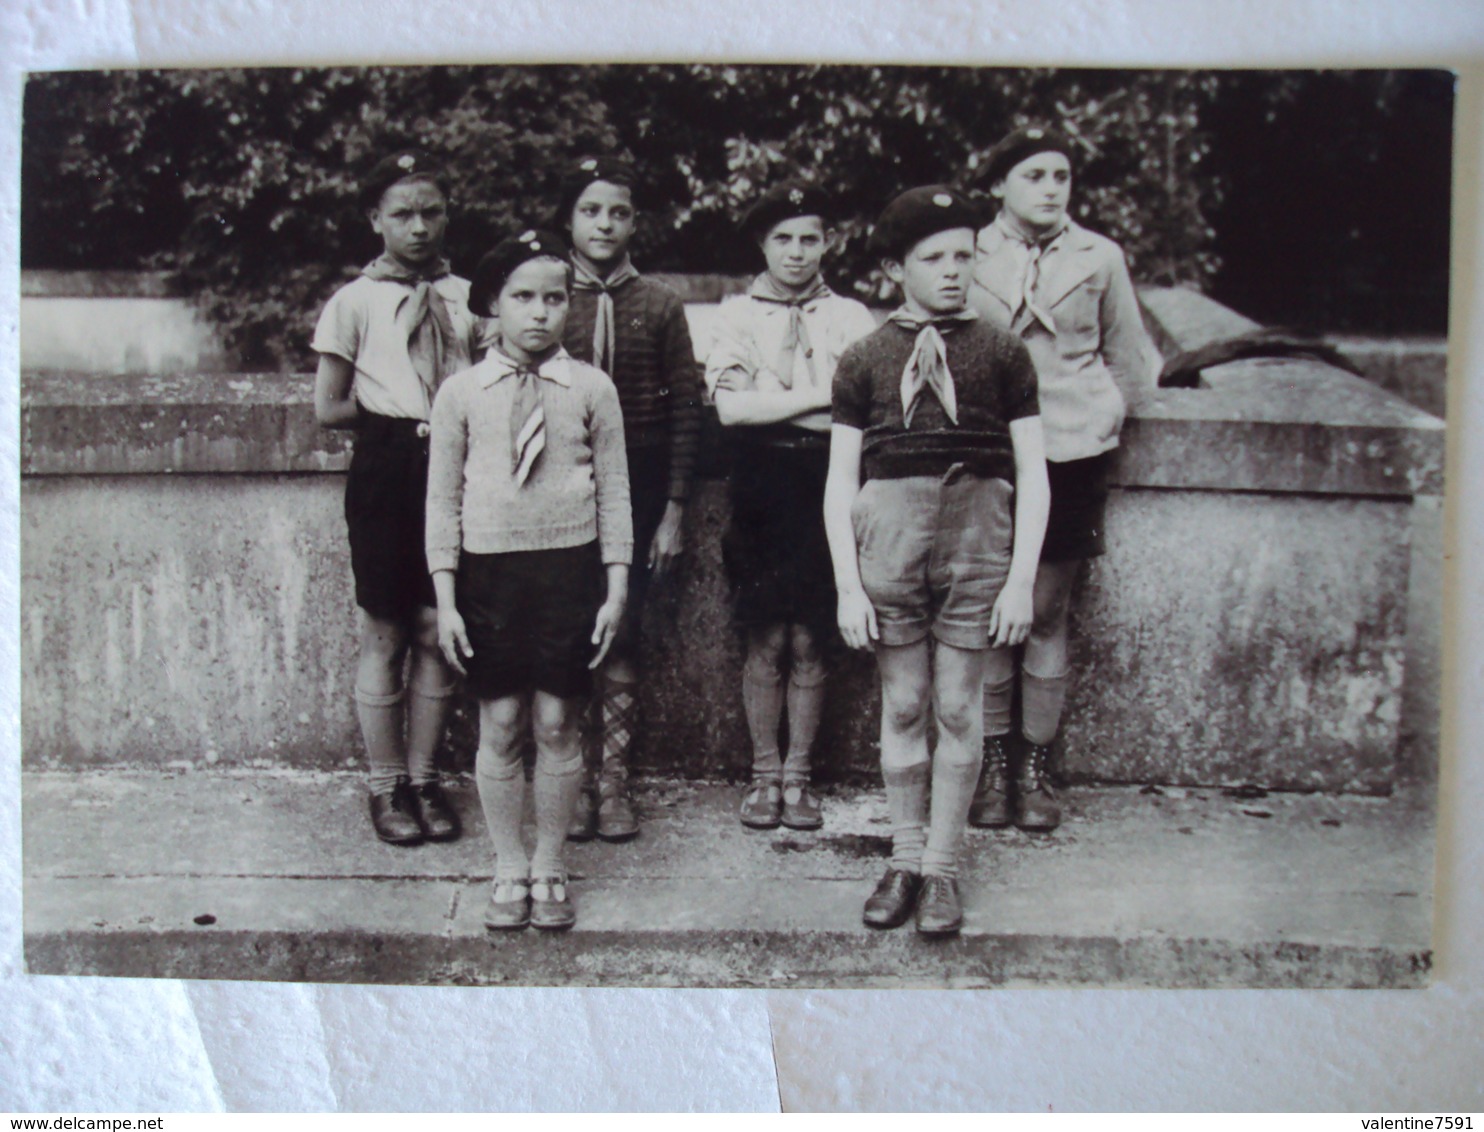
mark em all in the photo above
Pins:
pixel 733 525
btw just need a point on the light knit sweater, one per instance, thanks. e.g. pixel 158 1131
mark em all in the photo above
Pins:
pixel 577 491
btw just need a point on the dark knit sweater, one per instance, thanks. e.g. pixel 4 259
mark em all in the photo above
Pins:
pixel 994 382
pixel 654 368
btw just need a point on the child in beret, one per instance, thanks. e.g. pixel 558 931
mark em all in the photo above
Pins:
pixel 1065 292
pixel 634 329
pixel 769 370
pixel 386 343
pixel 529 539
pixel 935 507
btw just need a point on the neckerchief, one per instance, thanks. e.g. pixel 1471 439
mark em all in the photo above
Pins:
pixel 603 325
pixel 927 368
pixel 422 316
pixel 527 416
pixel 766 289
pixel 1031 248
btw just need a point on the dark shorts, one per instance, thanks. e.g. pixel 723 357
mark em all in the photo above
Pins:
pixel 649 495
pixel 934 554
pixel 385 505
pixel 1079 500
pixel 775 550
pixel 529 616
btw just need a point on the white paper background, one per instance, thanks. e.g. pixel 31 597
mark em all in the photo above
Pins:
pixel 79 1045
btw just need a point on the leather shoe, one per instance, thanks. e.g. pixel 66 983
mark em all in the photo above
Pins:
pixel 510 906
pixel 991 806
pixel 551 907
pixel 939 911
pixel 892 902
pixel 434 813
pixel 394 816
pixel 800 806
pixel 616 820
pixel 762 806
pixel 584 823
pixel 1036 807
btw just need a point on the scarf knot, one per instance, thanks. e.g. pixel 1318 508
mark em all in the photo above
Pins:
pixel 1032 248
pixel 604 324
pixel 422 317
pixel 927 366
pixel 796 337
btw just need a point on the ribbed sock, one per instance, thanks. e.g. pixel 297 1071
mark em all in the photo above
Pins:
pixel 502 795
pixel 427 712
pixel 556 786
pixel 999 691
pixel 1041 701
pixel 762 702
pixel 805 698
pixel 380 716
pixel 954 780
pixel 906 807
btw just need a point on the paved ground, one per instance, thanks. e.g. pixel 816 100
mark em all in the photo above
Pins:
pixel 267 876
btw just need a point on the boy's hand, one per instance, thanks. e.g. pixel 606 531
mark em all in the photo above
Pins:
pixel 735 381
pixel 606 628
pixel 857 617
pixel 453 641
pixel 1010 620
pixel 669 540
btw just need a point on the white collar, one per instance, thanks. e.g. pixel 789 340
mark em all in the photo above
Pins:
pixel 556 368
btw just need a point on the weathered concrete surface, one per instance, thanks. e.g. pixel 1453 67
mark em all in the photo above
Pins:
pixel 1415 369
pixel 1182 888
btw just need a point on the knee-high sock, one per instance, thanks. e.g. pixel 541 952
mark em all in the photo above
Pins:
pixel 805 698
pixel 956 765
pixel 620 712
pixel 762 701
pixel 558 781
pixel 427 712
pixel 1041 702
pixel 380 717
pixel 907 808
pixel 999 690
pixel 502 795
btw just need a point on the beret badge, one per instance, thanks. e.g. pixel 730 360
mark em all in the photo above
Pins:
pixel 407 162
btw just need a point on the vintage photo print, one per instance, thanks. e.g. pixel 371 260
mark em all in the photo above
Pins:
pixel 733 525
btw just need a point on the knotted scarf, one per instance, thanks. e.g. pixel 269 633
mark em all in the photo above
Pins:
pixel 422 316
pixel 1031 249
pixel 527 422
pixel 796 337
pixel 604 331
pixel 927 368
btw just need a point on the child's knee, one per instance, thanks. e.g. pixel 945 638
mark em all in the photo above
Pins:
pixel 959 717
pixel 553 724
pixel 764 663
pixel 904 710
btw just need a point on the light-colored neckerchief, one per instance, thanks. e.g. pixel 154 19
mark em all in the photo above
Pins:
pixel 1033 249
pixel 766 289
pixel 421 316
pixel 604 331
pixel 927 367
pixel 527 415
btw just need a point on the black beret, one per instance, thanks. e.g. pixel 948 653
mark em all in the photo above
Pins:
pixel 586 171
pixel 396 167
pixel 922 212
pixel 498 265
pixel 786 201
pixel 1021 144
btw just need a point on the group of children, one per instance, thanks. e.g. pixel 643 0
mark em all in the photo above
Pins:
pixel 524 448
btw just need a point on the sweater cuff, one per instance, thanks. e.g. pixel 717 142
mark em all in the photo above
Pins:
pixel 618 553
pixel 442 560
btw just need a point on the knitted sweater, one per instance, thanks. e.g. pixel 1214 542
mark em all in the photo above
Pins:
pixel 654 368
pixel 577 491
pixel 994 383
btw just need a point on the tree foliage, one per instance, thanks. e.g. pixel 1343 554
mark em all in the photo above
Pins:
pixel 242 183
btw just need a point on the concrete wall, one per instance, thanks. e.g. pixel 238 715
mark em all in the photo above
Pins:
pixel 186 592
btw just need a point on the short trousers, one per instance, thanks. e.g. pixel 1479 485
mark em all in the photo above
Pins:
pixel 934 554
pixel 385 507
pixel 529 616
pixel 1079 502
pixel 649 495
pixel 776 554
